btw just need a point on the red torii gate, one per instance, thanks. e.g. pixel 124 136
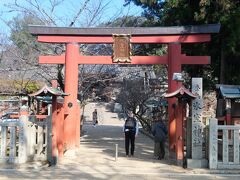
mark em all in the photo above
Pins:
pixel 72 37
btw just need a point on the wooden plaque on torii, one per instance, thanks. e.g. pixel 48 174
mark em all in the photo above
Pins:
pixel 121 48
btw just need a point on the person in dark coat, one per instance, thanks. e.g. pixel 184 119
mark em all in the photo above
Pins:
pixel 159 132
pixel 130 129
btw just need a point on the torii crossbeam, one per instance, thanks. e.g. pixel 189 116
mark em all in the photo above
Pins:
pixel 72 37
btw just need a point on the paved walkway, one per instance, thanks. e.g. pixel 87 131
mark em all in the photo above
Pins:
pixel 96 158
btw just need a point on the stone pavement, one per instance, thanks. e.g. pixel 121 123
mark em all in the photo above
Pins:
pixel 96 158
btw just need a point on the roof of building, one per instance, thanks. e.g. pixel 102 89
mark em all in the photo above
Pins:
pixel 229 91
pixel 181 92
pixel 48 91
pixel 134 31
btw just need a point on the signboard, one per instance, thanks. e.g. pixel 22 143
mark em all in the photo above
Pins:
pixel 121 48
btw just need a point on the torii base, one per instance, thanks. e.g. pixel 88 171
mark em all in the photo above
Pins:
pixel 197 163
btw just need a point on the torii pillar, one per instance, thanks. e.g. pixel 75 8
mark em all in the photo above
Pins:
pixel 71 108
pixel 175 61
pixel 174 66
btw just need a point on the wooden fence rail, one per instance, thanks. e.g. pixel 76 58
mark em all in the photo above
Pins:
pixel 24 139
pixel 223 150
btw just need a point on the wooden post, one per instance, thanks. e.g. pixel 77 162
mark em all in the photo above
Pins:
pixel 49 134
pixel 58 122
pixel 225 146
pixel 54 130
pixel 22 151
pixel 60 131
pixel 39 140
pixel 12 154
pixel 3 142
pixel 179 132
pixel 236 147
pixel 213 143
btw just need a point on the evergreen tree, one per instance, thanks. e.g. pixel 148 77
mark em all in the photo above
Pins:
pixel 223 47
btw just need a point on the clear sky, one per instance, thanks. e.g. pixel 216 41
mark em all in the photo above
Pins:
pixel 110 9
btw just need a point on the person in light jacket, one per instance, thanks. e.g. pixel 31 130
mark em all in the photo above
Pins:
pixel 130 130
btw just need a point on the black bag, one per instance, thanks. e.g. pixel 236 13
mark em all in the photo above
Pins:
pixel 130 124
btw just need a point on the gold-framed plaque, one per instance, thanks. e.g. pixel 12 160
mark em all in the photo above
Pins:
pixel 121 48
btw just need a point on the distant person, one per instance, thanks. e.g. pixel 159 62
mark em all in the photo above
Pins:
pixel 159 132
pixel 95 117
pixel 24 109
pixel 130 129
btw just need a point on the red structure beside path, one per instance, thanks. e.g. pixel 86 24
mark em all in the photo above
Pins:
pixel 57 119
pixel 173 36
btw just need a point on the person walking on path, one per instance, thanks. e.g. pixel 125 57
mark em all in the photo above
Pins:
pixel 95 117
pixel 130 129
pixel 159 132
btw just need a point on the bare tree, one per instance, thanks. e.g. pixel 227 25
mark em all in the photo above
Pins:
pixel 24 51
pixel 133 96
